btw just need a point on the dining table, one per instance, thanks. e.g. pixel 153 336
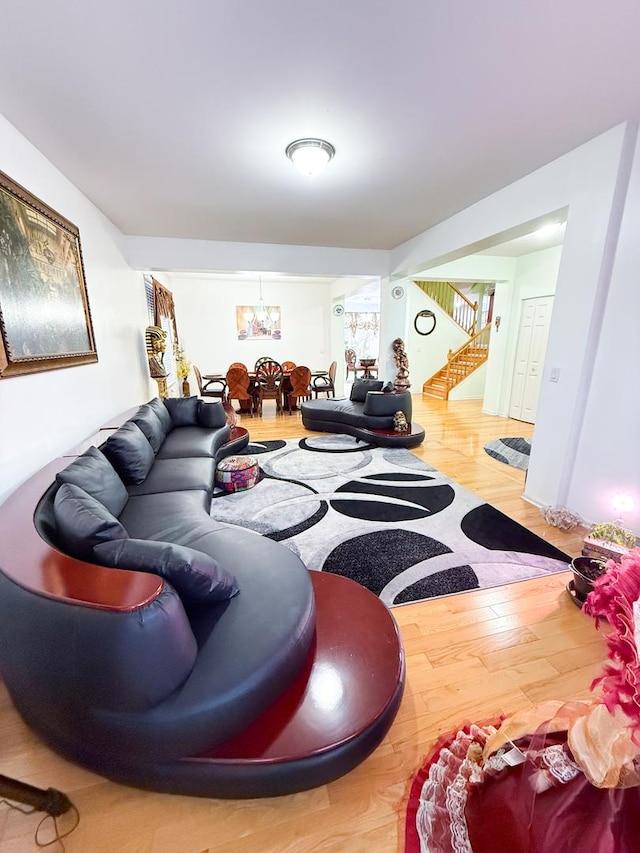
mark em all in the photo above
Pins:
pixel 286 385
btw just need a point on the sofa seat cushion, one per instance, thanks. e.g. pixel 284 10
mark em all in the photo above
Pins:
pixel 193 441
pixel 250 648
pixel 166 516
pixel 177 475
pixel 344 412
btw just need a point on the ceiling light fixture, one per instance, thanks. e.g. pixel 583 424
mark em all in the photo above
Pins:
pixel 310 155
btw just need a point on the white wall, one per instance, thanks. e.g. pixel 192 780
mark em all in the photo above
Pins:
pixel 206 317
pixel 44 414
pixel 590 181
pixel 607 450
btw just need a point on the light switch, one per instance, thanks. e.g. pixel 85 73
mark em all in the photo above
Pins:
pixel 555 374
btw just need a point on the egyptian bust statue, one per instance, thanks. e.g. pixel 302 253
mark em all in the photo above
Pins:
pixel 156 344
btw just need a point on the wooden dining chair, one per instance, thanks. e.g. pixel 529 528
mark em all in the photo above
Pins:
pixel 288 365
pixel 239 388
pixel 299 379
pixel 262 360
pixel 269 384
pixel 351 360
pixel 326 384
pixel 210 387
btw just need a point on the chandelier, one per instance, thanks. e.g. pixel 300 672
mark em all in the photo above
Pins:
pixel 263 316
pixel 362 321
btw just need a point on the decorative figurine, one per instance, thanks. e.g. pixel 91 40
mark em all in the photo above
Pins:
pixel 402 363
pixel 156 344
pixel 400 422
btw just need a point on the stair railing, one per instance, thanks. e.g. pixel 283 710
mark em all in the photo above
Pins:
pixel 454 303
pixel 463 361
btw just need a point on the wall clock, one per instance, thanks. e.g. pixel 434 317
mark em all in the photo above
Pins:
pixel 338 310
pixel 397 292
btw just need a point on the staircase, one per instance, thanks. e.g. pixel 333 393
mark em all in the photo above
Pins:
pixel 460 364
pixel 454 303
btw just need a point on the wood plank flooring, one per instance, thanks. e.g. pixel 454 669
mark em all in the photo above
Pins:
pixel 469 657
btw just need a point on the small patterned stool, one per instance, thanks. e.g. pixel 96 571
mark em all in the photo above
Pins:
pixel 237 473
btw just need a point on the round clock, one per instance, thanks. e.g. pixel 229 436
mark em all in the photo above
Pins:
pixel 338 310
pixel 397 292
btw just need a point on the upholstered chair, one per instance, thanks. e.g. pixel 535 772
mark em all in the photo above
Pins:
pixel 299 380
pixel 239 388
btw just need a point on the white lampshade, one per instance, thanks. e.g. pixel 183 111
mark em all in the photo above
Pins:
pixel 310 156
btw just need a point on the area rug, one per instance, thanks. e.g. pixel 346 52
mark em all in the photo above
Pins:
pixel 384 518
pixel 511 451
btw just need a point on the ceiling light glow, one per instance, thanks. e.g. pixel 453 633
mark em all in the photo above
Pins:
pixel 310 155
pixel 548 230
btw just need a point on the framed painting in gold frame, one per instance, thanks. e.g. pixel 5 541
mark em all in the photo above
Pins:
pixel 45 321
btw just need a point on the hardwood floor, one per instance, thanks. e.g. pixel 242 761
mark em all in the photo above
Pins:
pixel 469 657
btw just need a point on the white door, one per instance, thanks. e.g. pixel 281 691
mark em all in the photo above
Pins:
pixel 530 352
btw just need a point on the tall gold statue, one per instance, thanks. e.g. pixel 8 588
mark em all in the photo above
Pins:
pixel 156 343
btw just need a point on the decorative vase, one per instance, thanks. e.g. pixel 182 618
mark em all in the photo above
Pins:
pixel 186 390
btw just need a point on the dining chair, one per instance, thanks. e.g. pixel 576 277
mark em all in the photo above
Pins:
pixel 288 365
pixel 210 387
pixel 351 359
pixel 299 379
pixel 269 384
pixel 238 388
pixel 326 384
pixel 262 360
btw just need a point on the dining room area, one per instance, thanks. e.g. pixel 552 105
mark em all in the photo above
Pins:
pixel 245 389
pixel 249 338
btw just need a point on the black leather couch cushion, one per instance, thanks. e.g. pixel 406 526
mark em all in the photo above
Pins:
pixel 93 473
pixel 83 522
pixel 211 415
pixel 129 452
pixel 183 410
pixel 361 386
pixel 151 426
pixel 382 405
pixel 162 413
pixel 197 577
pixel 166 516
pixel 178 475
pixel 193 441
pixel 344 412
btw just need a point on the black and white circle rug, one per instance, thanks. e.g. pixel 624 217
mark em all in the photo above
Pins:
pixel 511 451
pixel 384 518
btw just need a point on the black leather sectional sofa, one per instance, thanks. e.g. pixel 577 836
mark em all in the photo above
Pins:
pixel 367 415
pixel 136 633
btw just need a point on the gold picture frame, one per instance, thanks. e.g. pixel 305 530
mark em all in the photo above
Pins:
pixel 45 321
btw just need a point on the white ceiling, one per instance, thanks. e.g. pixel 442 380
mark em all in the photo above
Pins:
pixel 173 116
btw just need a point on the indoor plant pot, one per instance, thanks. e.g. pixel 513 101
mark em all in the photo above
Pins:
pixel 585 571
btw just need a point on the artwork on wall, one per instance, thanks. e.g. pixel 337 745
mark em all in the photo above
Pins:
pixel 45 322
pixel 258 322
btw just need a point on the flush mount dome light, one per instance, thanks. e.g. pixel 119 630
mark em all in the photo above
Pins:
pixel 310 156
